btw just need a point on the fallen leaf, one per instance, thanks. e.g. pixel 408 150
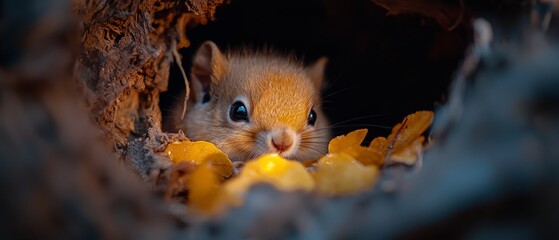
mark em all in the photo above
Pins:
pixel 339 143
pixel 366 156
pixel 283 174
pixel 201 152
pixel 341 174
pixel 410 154
pixel 380 144
pixel 204 189
pixel 351 144
pixel 406 132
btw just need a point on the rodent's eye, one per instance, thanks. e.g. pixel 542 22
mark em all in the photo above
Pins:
pixel 238 112
pixel 206 98
pixel 312 117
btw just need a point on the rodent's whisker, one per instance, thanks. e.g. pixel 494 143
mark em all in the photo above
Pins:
pixel 252 155
pixel 316 130
pixel 363 125
pixel 332 83
pixel 342 124
pixel 309 138
pixel 309 151
pixel 338 92
pixel 315 143
pixel 311 148
pixel 358 118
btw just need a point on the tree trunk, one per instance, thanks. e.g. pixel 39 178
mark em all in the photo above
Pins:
pixel 64 64
pixel 127 50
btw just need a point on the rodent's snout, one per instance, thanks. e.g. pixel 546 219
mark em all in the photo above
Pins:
pixel 282 140
pixel 282 143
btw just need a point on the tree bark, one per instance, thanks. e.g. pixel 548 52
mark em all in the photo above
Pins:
pixel 79 89
pixel 127 50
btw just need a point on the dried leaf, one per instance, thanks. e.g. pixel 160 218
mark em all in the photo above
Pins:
pixel 339 143
pixel 201 152
pixel 410 154
pixel 405 133
pixel 204 189
pixel 366 156
pixel 351 144
pixel 340 174
pixel 380 144
pixel 284 174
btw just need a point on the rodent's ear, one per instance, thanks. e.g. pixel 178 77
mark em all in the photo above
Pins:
pixel 208 66
pixel 316 70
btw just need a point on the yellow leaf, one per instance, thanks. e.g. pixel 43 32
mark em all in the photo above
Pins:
pixel 380 144
pixel 201 152
pixel 284 174
pixel 351 144
pixel 409 154
pixel 367 156
pixel 204 189
pixel 405 133
pixel 339 143
pixel 339 174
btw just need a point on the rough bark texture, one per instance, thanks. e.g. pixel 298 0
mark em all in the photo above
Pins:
pixel 58 180
pixel 127 50
pixel 71 107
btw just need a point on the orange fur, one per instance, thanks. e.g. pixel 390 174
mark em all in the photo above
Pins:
pixel 279 93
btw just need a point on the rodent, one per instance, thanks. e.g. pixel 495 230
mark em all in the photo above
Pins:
pixel 249 103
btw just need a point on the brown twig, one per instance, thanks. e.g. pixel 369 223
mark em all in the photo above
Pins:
pixel 187 88
pixel 393 141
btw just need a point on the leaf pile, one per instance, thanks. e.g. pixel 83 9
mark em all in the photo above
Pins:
pixel 348 168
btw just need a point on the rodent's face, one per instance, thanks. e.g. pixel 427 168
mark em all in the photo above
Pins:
pixel 259 107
